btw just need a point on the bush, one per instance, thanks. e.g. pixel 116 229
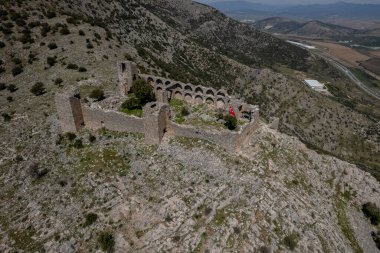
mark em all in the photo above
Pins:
pixel 78 144
pixel 90 46
pixel 106 241
pixel 70 136
pixel 2 70
pixel 90 219
pixel 185 112
pixel 291 241
pixel 12 88
pixel 58 81
pixel 51 14
pixel 52 46
pixel 372 212
pixel 16 61
pixel 3 86
pixel 97 94
pixel 91 138
pixel 132 103
pixel 72 66
pixel 143 91
pixel 2 44
pixel 45 29
pixel 6 117
pixel 51 61
pixel 376 238
pixel 17 70
pixel 81 33
pixel 10 99
pixel 35 172
pixel 38 89
pixel 64 31
pixel 82 69
pixel 231 122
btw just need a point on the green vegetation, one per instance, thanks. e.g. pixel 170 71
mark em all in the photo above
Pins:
pixel 12 88
pixel 51 61
pixel 3 86
pixel 231 122
pixel 344 224
pixel 372 212
pixel 58 81
pixel 134 112
pixel 90 219
pixel 6 117
pixel 2 44
pixel 38 89
pixel 142 91
pixel 291 241
pixel 72 66
pixel 106 241
pixel 52 46
pixel 366 78
pixel 97 94
pixel 17 70
pixel 220 217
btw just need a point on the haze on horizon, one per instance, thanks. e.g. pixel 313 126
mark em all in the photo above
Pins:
pixel 295 2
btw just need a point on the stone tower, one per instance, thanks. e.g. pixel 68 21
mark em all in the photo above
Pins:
pixel 127 72
pixel 156 117
pixel 69 110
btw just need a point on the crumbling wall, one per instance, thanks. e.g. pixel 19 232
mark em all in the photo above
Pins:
pixel 127 73
pixel 69 111
pixel 95 118
pixel 156 118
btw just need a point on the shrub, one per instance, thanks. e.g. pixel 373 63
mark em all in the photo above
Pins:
pixel 2 44
pixel 376 238
pixel 51 14
pixel 72 66
pixel 45 28
pixel 58 81
pixel 3 86
pixel 91 138
pixel 106 241
pixel 10 99
pixel 16 61
pixel 12 88
pixel 132 103
pixel 35 172
pixel 81 33
pixel 64 31
pixel 231 122
pixel 2 70
pixel 82 69
pixel 372 212
pixel 52 46
pixel 6 117
pixel 38 89
pixel 185 112
pixel 291 241
pixel 97 94
pixel 90 46
pixel 51 61
pixel 70 136
pixel 78 144
pixel 143 91
pixel 90 219
pixel 17 70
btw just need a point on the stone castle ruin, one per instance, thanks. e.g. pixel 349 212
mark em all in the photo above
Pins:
pixel 75 114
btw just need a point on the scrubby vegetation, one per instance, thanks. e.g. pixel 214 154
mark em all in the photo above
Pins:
pixel 38 89
pixel 97 94
pixel 372 212
pixel 106 241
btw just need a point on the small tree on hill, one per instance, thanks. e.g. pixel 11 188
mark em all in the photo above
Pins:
pixel 143 91
pixel 231 122
pixel 38 89
pixel 97 94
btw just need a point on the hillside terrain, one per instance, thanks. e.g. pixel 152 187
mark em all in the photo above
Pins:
pixel 113 192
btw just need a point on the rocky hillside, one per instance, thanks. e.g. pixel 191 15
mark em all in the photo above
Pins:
pixel 104 190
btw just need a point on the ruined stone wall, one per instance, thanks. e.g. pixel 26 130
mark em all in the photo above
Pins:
pixel 69 111
pixel 156 118
pixel 95 118
pixel 127 73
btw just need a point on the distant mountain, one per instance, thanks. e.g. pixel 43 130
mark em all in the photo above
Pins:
pixel 308 12
pixel 310 29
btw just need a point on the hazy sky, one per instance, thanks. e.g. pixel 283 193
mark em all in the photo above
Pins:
pixel 297 1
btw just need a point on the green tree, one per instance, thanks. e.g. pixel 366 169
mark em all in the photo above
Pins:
pixel 143 91
pixel 231 122
pixel 38 89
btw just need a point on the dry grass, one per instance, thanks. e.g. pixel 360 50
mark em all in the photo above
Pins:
pixel 346 55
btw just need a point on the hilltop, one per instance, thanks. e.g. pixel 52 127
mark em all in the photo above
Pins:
pixel 184 194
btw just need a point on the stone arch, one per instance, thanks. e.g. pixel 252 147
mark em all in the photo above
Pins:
pixel 221 93
pixel 198 90
pixel 188 98
pixel 210 92
pixel 178 94
pixel 159 81
pixel 220 103
pixel 150 79
pixel 198 99
pixel 210 101
pixel 167 83
pixel 188 88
